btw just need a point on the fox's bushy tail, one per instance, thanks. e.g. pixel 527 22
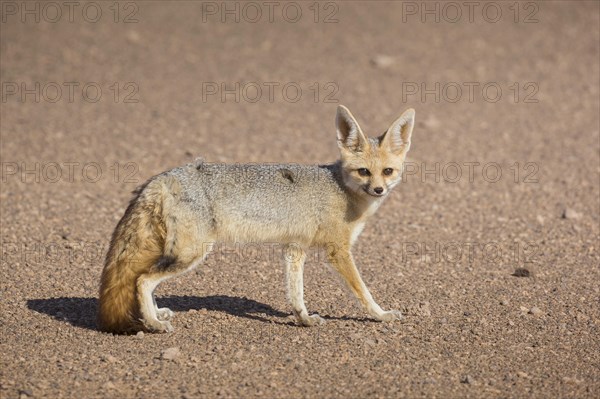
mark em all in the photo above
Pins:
pixel 136 245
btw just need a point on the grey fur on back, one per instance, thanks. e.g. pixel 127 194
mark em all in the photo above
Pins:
pixel 235 202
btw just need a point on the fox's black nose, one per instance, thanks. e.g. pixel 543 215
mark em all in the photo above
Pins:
pixel 378 190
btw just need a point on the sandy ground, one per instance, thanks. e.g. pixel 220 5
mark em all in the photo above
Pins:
pixel 503 174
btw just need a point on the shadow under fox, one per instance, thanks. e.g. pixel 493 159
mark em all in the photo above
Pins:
pixel 175 218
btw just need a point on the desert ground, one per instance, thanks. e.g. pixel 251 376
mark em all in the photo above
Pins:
pixel 489 246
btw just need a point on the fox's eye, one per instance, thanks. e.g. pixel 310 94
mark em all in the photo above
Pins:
pixel 363 172
pixel 388 171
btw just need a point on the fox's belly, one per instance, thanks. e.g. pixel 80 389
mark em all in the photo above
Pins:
pixel 264 225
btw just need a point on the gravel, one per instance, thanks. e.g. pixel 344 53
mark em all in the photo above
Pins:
pixel 435 250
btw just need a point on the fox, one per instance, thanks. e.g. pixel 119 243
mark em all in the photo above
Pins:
pixel 175 218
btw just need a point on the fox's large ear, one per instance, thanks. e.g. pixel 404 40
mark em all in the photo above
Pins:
pixel 349 135
pixel 397 137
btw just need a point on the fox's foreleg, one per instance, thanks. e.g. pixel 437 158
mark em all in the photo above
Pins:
pixel 342 261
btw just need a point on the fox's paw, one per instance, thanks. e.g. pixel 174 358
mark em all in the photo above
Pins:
pixel 158 326
pixel 312 320
pixel 164 314
pixel 165 327
pixel 390 315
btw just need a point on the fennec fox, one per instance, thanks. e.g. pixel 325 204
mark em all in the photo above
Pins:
pixel 175 218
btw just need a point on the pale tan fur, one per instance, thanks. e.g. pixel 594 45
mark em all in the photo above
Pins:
pixel 176 217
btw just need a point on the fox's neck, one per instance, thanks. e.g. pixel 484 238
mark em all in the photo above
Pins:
pixel 367 206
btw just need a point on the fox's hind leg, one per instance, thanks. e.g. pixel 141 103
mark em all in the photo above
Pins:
pixel 154 318
pixel 294 258
pixel 146 284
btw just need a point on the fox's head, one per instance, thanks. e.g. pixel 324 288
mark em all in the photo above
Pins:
pixel 372 166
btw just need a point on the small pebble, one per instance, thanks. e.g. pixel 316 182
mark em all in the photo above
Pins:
pixel 424 309
pixel 432 123
pixel 383 61
pixel 133 36
pixel 108 358
pixel 521 272
pixel 535 311
pixel 569 213
pixel 571 380
pixel 170 353
pixel 467 380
